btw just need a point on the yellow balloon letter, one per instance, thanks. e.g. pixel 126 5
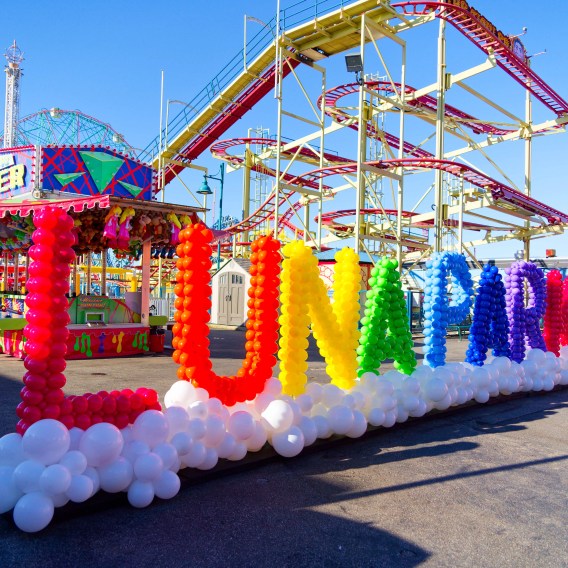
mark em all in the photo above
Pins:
pixel 304 299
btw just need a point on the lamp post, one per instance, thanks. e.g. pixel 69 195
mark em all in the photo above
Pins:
pixel 206 190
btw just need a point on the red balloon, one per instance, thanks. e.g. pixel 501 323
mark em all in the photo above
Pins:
pixel 109 405
pixel 34 365
pixel 80 405
pixel 32 414
pixel 68 421
pixel 34 381
pixel 37 350
pixel 41 253
pixel 82 421
pixel 57 365
pixel 56 381
pixel 55 396
pixel 66 406
pixel 95 403
pixel 39 317
pixel 39 301
pixel 121 421
pixel 51 411
pixel 33 398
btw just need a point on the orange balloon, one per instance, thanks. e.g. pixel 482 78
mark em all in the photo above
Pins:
pixel 181 373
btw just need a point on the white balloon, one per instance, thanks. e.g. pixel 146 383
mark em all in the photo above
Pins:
pixel 241 425
pixel 27 476
pixel 262 401
pixel 167 485
pixel 46 441
pixel 305 402
pixel 182 442
pixel 94 476
pixel 288 443
pixel 101 444
pixel 436 389
pixel 376 416
pixel 116 476
pixel 198 409
pixel 278 416
pixel 80 489
pixel 390 418
pixel 75 461
pixel 140 494
pixel 196 428
pixel 11 450
pixel 309 430
pixel 322 425
pixel 148 467
pixel 257 441
pixel 55 479
pixel 239 452
pixel 135 448
pixel 227 446
pixel 211 459
pixel 59 500
pixel 331 395
pixel 214 431
pixel 340 419
pixel 10 493
pixel 181 393
pixel 167 453
pixel 273 386
pixel 201 395
pixel 34 511
pixel 178 419
pixel 75 435
pixel 151 427
pixel 214 406
pixel 359 426
pixel 482 396
pixel 196 456
pixel 315 391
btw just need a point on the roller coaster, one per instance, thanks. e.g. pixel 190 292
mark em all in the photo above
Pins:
pixel 302 38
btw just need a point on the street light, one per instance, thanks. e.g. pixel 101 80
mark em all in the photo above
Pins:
pixel 206 190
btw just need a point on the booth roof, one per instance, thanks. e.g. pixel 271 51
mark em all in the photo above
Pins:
pixel 23 205
pixel 26 204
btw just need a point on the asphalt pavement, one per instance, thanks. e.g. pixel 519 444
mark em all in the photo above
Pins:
pixel 481 486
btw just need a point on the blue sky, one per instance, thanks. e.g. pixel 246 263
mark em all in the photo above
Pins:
pixel 105 59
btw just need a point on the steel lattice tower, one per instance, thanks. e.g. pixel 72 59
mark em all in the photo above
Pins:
pixel 14 56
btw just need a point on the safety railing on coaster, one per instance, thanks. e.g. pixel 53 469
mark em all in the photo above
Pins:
pixel 291 16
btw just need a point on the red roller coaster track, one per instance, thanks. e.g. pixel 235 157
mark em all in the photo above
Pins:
pixel 498 190
pixel 423 102
pixel 488 41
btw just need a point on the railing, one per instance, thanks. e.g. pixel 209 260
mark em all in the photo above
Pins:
pixel 292 16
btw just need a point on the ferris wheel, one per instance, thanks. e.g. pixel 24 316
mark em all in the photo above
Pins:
pixel 68 127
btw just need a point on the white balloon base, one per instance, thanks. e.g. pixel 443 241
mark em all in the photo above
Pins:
pixel 50 465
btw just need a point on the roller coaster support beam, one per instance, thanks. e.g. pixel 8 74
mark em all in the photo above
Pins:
pixel 361 143
pixel 400 185
pixel 528 163
pixel 278 77
pixel 246 189
pixel 441 100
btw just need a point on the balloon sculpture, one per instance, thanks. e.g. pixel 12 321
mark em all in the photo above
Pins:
pixel 553 317
pixel 524 322
pixel 42 395
pixel 191 333
pixel 438 311
pixel 304 299
pixel 385 332
pixel 490 327
pixel 564 334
